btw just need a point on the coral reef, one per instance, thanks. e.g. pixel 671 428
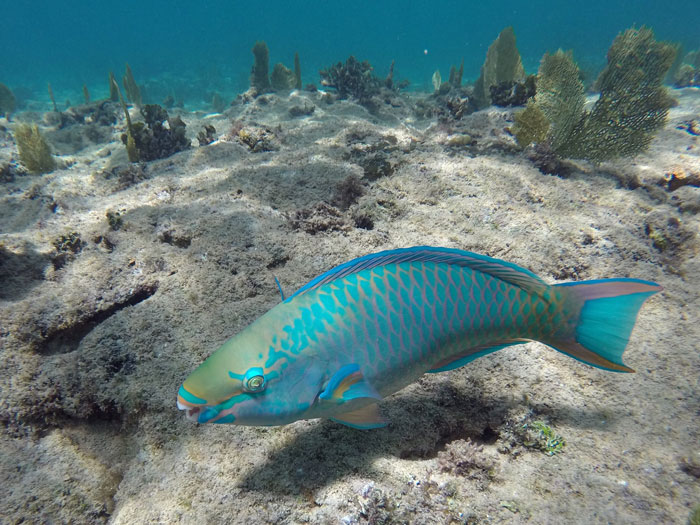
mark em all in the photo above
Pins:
pixel 34 151
pixel 7 100
pixel 632 106
pixel 502 64
pixel 352 79
pixel 258 76
pixel 153 140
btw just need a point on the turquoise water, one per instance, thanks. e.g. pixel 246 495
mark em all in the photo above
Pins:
pixel 200 47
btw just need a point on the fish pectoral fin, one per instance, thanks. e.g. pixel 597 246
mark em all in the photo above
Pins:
pixel 348 384
pixel 363 418
pixel 469 355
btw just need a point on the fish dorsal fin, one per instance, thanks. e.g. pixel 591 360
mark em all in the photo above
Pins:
pixel 506 271
pixel 363 418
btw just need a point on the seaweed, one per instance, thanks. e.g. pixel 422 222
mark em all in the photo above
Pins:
pixel 436 80
pixel 297 71
pixel 352 79
pixel 133 93
pixel 129 142
pixel 258 77
pixel 53 100
pixel 456 75
pixel 8 102
pixel 632 106
pixel 86 94
pixel 502 64
pixel 34 151
pixel 113 94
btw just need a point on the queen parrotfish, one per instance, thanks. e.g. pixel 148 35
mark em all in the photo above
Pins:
pixel 371 326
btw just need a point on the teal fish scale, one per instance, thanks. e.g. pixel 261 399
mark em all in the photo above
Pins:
pixel 398 320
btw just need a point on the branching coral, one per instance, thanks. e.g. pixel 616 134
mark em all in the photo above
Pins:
pixel 34 151
pixel 632 106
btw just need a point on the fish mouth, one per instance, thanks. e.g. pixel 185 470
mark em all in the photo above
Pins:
pixel 191 412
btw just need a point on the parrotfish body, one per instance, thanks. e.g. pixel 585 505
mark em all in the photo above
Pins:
pixel 371 326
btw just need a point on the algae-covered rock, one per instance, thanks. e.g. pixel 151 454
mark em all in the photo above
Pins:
pixel 688 73
pixel 153 140
pixel 7 100
pixel 282 78
pixel 34 151
pixel 352 79
pixel 502 64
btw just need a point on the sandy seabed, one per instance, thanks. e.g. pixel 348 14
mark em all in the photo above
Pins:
pixel 117 280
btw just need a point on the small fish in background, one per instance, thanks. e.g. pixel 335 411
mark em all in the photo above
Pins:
pixel 371 326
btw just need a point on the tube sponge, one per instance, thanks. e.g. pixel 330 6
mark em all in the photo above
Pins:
pixel 258 78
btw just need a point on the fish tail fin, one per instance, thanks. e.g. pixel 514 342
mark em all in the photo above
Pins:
pixel 607 315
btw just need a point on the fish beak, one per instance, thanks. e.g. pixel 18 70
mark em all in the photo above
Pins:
pixel 191 412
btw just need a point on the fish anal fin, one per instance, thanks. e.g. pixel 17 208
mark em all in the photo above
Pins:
pixel 364 418
pixel 469 355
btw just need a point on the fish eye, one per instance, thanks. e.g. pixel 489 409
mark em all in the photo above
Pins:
pixel 254 380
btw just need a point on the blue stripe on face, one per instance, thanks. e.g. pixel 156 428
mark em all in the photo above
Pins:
pixel 184 394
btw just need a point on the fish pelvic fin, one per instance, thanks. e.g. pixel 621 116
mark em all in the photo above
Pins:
pixel 364 418
pixel 608 314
